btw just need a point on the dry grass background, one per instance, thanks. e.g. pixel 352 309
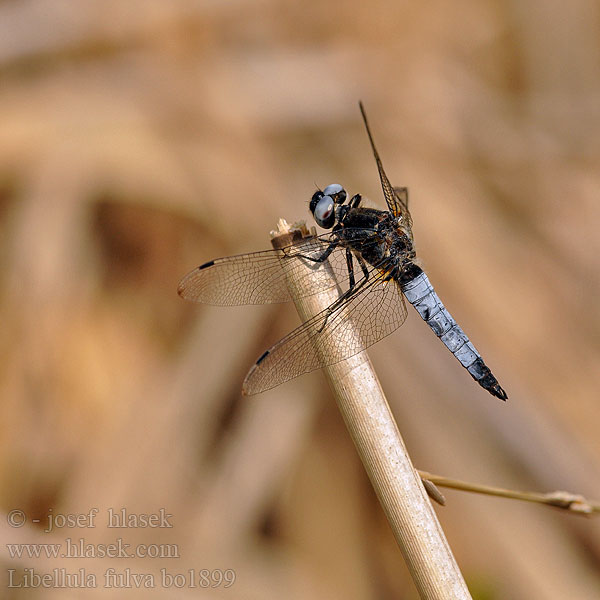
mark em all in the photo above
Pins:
pixel 141 138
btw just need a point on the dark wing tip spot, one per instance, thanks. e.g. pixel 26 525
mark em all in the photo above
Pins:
pixel 248 389
pixel 210 263
pixel 262 357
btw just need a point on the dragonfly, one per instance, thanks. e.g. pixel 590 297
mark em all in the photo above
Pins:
pixel 371 256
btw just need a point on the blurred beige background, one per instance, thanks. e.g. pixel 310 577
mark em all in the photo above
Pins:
pixel 139 139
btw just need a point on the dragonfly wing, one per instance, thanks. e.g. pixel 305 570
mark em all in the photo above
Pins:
pixel 254 278
pixel 269 276
pixel 394 204
pixel 401 194
pixel 258 277
pixel 342 330
pixel 396 197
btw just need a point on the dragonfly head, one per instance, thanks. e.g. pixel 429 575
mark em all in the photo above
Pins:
pixel 322 204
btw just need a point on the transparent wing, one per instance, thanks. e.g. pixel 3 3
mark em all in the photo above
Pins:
pixel 264 277
pixel 336 333
pixel 401 194
pixel 396 198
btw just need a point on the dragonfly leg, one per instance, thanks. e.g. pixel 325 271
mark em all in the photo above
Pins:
pixel 355 201
pixel 350 264
pixel 319 259
pixel 363 266
pixel 353 288
pixel 393 274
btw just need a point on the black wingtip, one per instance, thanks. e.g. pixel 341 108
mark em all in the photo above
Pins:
pixel 262 357
pixel 247 388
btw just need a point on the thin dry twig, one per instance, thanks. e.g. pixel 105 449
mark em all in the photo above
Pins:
pixel 566 500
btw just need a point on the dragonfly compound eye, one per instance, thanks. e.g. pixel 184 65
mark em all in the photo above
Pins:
pixel 324 212
pixel 314 200
pixel 337 192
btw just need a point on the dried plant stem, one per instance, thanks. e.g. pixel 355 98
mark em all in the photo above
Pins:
pixel 565 500
pixel 368 417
